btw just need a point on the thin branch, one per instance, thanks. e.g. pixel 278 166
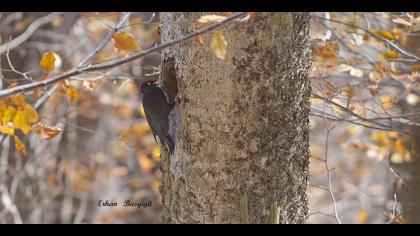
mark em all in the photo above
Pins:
pixel 29 32
pixel 389 42
pixel 124 17
pixel 103 66
pixel 329 177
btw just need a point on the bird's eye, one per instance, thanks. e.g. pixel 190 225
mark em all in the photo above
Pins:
pixel 149 83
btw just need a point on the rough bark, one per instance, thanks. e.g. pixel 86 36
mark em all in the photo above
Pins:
pixel 240 124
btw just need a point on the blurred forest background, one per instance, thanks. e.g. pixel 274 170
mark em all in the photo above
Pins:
pixel 93 143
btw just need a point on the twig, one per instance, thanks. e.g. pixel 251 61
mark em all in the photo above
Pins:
pixel 124 17
pixel 103 66
pixel 389 42
pixel 329 177
pixel 29 32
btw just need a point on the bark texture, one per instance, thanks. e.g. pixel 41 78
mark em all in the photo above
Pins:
pixel 240 124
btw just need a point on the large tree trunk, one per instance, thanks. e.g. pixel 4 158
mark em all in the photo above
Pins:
pixel 240 124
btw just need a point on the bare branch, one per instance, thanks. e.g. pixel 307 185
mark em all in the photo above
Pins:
pixel 389 42
pixel 124 17
pixel 29 32
pixel 112 64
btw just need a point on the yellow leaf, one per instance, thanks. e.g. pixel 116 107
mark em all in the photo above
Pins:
pixel 156 153
pixel 362 217
pixel 47 61
pixel 354 129
pixel 72 93
pixel 219 45
pixel 20 146
pixel 124 43
pixel 390 55
pixel 380 138
pixel 9 113
pixel 397 158
pixel 46 132
pixel 208 19
pixel 141 111
pixel 145 163
pixel 400 145
pixel 386 101
pixel 30 113
pixel 6 129
pixel 20 122
pixel 386 34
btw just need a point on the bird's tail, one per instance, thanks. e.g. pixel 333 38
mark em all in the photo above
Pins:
pixel 170 144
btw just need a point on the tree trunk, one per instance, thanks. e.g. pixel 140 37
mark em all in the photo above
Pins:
pixel 240 124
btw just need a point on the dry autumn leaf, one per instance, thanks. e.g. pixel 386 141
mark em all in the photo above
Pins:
pixel 46 132
pixel 385 34
pixel 20 146
pixel 199 40
pixel 124 43
pixel 331 91
pixel 219 45
pixel 71 91
pixel 208 19
pixel 349 91
pixel 329 50
pixel 47 61
pixel 31 114
pixel 145 163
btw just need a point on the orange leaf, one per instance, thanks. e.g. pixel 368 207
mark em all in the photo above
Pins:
pixel 331 91
pixel 386 34
pixel 329 50
pixel 31 114
pixel 124 43
pixel 251 16
pixel 390 55
pixel 145 163
pixel 36 94
pixel 47 61
pixel 20 146
pixel 349 91
pixel 46 132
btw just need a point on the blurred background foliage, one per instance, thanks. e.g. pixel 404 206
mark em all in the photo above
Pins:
pixel 91 141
